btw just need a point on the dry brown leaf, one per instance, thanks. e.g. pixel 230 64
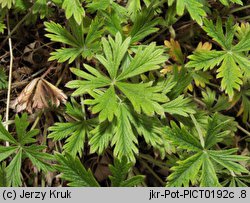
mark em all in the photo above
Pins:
pixel 38 94
pixel 204 46
pixel 35 55
pixel 175 50
pixel 169 69
pixel 21 72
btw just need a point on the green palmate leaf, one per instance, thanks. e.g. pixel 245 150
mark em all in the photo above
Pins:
pixel 180 106
pixel 144 96
pixel 22 147
pixel 194 8
pixel 202 165
pixel 74 172
pixel 124 138
pixel 186 171
pixel 232 61
pixel 75 132
pixel 81 44
pixel 121 100
pixel 120 171
pixel 73 8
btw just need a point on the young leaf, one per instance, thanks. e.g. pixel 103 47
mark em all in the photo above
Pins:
pixel 73 8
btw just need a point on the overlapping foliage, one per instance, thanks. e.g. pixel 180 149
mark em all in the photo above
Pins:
pixel 136 103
